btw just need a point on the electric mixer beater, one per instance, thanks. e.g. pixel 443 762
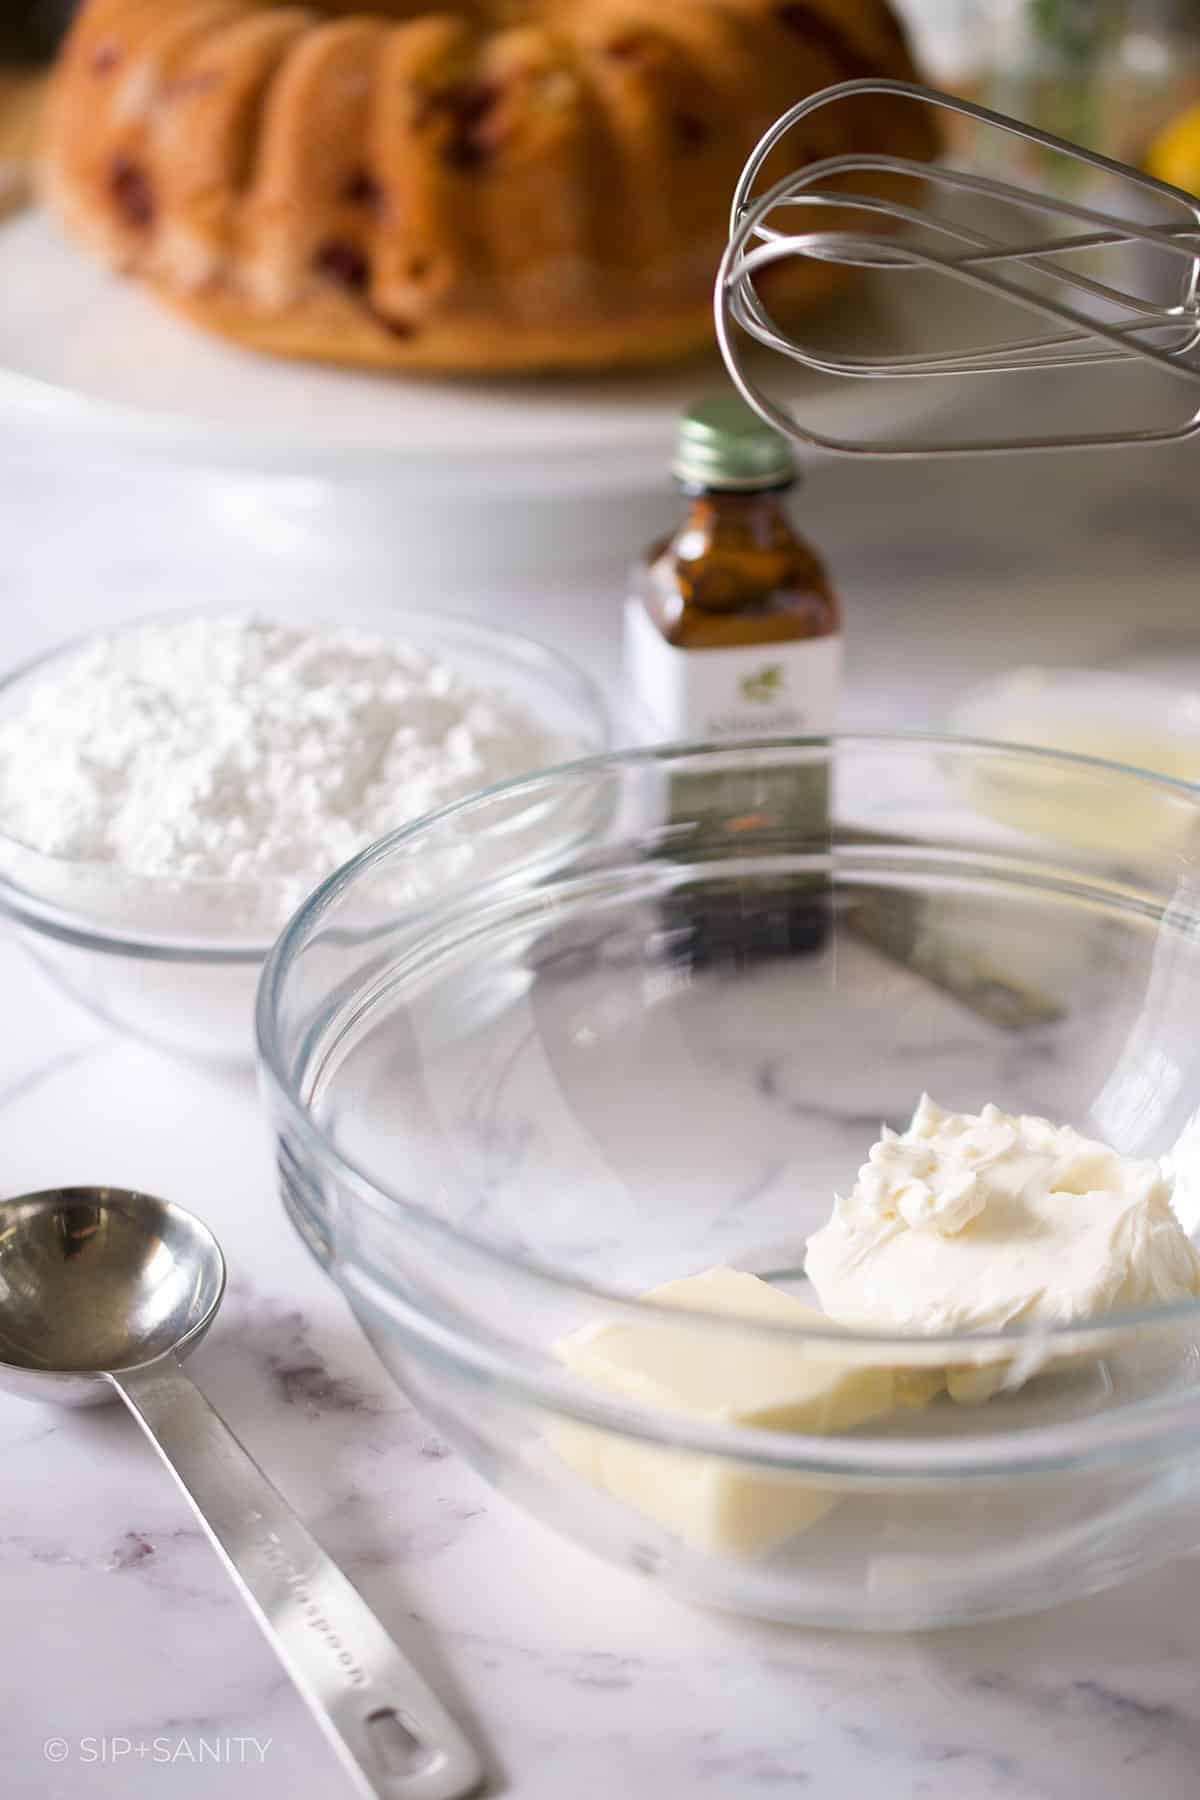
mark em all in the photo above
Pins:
pixel 1092 321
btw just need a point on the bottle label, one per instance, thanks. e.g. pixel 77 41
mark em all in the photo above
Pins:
pixel 759 690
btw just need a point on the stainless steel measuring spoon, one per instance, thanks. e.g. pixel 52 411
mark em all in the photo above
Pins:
pixel 103 1292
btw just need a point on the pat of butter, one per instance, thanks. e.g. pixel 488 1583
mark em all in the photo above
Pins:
pixel 713 1502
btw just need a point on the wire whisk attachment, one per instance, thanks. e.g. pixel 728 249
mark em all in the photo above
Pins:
pixel 1019 247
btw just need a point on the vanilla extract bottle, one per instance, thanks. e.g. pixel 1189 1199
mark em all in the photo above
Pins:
pixel 734 629
pixel 733 633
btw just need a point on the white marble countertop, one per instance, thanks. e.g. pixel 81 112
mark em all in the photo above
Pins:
pixel 124 1652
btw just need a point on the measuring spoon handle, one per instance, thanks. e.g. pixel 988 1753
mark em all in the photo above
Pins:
pixel 395 1738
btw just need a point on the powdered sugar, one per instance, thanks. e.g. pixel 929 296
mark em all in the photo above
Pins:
pixel 236 748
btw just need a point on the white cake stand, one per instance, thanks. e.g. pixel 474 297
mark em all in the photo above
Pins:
pixel 96 362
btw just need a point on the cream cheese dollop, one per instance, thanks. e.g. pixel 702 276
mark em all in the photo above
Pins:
pixel 970 1222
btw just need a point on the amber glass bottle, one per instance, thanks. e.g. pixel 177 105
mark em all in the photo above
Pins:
pixel 733 629
pixel 733 634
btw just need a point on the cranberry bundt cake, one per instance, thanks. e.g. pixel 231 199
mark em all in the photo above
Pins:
pixel 508 185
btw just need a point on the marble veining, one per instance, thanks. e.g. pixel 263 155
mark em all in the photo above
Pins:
pixel 581 1681
pixel 279 1338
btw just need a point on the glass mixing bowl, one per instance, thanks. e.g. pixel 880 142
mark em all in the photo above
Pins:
pixel 619 1054
pixel 176 961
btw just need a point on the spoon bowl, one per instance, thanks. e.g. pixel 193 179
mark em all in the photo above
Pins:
pixel 96 1280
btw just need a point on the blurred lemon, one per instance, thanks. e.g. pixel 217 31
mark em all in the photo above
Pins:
pixel 1174 155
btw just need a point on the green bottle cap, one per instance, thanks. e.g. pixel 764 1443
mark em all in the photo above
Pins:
pixel 723 444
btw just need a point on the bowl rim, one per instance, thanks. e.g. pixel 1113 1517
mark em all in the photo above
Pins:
pixel 551 667
pixel 282 1096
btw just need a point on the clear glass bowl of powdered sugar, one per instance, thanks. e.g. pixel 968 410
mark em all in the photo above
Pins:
pixel 170 790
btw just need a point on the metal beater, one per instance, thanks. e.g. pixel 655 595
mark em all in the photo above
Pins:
pixel 1096 323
